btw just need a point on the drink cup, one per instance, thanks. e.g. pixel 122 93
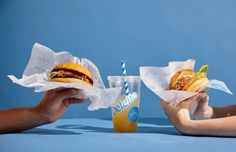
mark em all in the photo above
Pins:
pixel 126 108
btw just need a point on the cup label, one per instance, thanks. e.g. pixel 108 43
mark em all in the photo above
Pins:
pixel 122 104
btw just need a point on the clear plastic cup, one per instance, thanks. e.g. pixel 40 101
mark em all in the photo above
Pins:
pixel 125 109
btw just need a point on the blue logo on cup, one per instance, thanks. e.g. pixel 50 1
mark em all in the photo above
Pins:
pixel 133 114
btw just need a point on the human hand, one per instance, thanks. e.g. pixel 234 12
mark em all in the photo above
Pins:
pixel 179 114
pixel 54 103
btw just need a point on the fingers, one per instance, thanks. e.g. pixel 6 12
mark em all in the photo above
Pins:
pixel 188 102
pixel 200 97
pixel 66 93
pixel 193 102
pixel 69 101
pixel 75 100
pixel 70 96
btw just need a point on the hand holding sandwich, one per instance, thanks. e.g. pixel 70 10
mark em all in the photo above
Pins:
pixel 180 114
pixel 53 104
pixel 194 116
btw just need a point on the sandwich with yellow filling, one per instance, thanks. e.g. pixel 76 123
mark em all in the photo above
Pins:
pixel 70 72
pixel 189 80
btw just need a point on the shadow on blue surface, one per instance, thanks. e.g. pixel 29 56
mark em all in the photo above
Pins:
pixel 162 127
pixel 155 121
pixel 158 130
pixel 141 129
pixel 43 131
pixel 152 120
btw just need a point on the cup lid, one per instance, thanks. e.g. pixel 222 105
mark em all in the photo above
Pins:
pixel 122 78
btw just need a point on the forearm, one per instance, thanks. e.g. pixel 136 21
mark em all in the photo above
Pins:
pixel 219 112
pixel 211 127
pixel 20 119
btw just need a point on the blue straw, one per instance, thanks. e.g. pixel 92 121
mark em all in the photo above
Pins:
pixel 125 74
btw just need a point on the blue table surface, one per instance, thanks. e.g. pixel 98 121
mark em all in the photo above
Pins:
pixel 73 135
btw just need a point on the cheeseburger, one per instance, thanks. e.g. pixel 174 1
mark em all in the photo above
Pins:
pixel 189 80
pixel 70 72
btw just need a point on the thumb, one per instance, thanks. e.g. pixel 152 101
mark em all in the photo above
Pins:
pixel 203 99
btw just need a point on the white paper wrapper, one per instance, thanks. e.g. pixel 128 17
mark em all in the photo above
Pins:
pixel 157 79
pixel 42 61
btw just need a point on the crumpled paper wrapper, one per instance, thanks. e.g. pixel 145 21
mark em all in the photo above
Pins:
pixel 43 60
pixel 157 79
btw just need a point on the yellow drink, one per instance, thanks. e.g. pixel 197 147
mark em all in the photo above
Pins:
pixel 125 114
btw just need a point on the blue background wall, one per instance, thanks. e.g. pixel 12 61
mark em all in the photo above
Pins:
pixel 147 32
